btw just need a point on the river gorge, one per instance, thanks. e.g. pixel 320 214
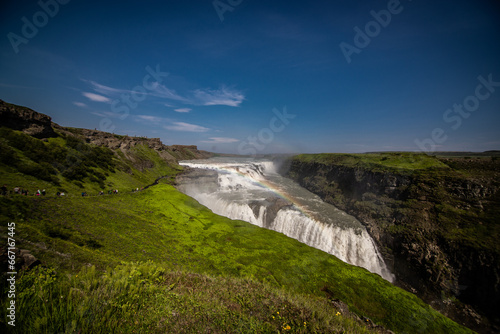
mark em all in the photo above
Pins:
pixel 253 191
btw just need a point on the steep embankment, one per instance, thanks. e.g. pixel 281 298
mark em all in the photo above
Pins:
pixel 435 220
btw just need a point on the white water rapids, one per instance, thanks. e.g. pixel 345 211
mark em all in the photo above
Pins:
pixel 252 190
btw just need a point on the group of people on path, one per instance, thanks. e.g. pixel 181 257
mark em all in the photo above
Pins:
pixel 110 192
pixel 40 193
pixel 20 191
pixel 4 191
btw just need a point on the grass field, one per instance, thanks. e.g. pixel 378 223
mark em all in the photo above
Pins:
pixel 402 161
pixel 203 272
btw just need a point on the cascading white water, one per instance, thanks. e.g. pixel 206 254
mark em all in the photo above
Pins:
pixel 252 191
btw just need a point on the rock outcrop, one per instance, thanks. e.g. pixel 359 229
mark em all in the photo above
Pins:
pixel 272 205
pixel 124 143
pixel 24 119
pixel 435 229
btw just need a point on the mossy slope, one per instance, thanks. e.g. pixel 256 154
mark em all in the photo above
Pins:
pixel 171 229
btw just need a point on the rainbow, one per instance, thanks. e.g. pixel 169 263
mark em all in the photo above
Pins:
pixel 266 184
pixel 274 189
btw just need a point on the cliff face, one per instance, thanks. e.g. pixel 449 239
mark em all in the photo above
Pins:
pixel 24 119
pixel 437 228
pixel 114 142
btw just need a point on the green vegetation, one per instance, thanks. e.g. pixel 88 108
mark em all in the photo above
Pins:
pixel 158 261
pixel 398 161
pixel 145 298
pixel 183 238
pixel 68 164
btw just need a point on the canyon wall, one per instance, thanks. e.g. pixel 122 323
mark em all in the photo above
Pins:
pixel 436 227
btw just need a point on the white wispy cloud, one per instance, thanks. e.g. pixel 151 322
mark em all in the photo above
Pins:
pixel 106 90
pixel 183 109
pixel 186 127
pixel 107 114
pixel 169 124
pixel 223 96
pixel 153 119
pixel 162 91
pixel 116 93
pixel 220 140
pixel 79 104
pixel 96 97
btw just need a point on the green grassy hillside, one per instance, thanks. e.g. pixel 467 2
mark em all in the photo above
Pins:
pixel 387 161
pixel 158 261
pixel 183 238
pixel 68 164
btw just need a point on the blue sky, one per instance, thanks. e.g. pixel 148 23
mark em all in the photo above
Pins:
pixel 241 76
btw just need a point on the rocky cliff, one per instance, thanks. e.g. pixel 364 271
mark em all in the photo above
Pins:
pixel 25 119
pixel 435 221
pixel 114 142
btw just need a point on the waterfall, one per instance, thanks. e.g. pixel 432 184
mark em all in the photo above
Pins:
pixel 252 191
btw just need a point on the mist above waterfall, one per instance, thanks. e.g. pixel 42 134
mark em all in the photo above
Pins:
pixel 253 191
